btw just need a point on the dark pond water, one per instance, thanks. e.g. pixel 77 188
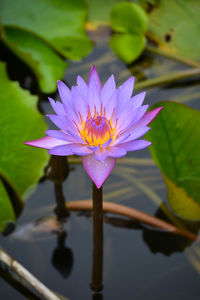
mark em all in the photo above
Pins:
pixel 140 262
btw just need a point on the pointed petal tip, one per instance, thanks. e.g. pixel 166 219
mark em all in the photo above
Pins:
pixel 93 67
pixel 59 82
pixel 96 170
pixel 94 76
pixel 156 112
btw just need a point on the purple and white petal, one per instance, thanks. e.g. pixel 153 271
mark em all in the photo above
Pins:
pixel 46 142
pixel 110 107
pixel 133 135
pixel 63 123
pixel 125 92
pixel 81 150
pixel 82 87
pixel 64 92
pixel 94 76
pixel 107 90
pixel 57 107
pixel 101 155
pixel 98 171
pixel 148 117
pixel 136 133
pixel 116 152
pixel 62 150
pixel 80 103
pixel 140 113
pixel 134 145
pixel 126 117
pixel 60 135
pixel 138 99
pixel 93 97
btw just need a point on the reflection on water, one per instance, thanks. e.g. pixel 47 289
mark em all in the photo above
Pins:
pixel 139 262
pixel 62 257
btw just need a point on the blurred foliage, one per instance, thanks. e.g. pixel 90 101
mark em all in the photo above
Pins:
pixel 129 40
pixel 176 150
pixel 37 31
pixel 20 166
pixel 175 27
pixel 99 11
pixel 6 212
pixel 44 62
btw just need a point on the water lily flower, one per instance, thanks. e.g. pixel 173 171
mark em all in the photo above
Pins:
pixel 99 123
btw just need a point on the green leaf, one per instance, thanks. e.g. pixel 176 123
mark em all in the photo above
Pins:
pixel 99 11
pixel 129 17
pixel 47 66
pixel 175 26
pixel 59 22
pixel 20 165
pixel 6 212
pixel 130 21
pixel 179 201
pixel 128 46
pixel 176 150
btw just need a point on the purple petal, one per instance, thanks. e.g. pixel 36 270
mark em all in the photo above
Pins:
pixel 60 135
pixel 134 145
pixel 80 104
pixel 62 122
pixel 94 148
pixel 106 144
pixel 125 91
pixel 107 90
pixel 46 142
pixel 110 106
pixel 126 116
pixel 138 99
pixel 81 150
pixel 101 155
pixel 136 133
pixel 94 75
pixel 82 87
pixel 140 113
pixel 93 97
pixel 121 138
pixel 149 117
pixel 62 150
pixel 116 152
pixel 57 107
pixel 98 171
pixel 64 92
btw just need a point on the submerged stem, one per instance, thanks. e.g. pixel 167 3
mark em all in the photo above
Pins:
pixel 177 57
pixel 96 284
pixel 165 79
pixel 130 212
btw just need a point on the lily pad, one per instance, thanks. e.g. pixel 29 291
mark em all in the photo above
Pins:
pixel 129 17
pixel 129 21
pixel 20 166
pixel 175 26
pixel 99 11
pixel 176 150
pixel 6 212
pixel 47 66
pixel 128 46
pixel 58 22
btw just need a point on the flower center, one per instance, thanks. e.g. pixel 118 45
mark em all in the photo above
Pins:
pixel 96 130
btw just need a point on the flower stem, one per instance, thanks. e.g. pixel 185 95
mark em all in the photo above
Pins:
pixel 97 267
pixel 165 79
